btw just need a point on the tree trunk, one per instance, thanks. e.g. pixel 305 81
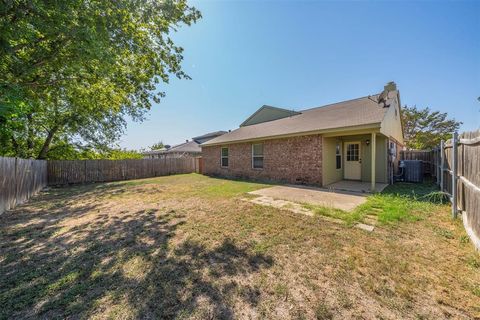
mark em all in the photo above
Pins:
pixel 46 145
pixel 15 146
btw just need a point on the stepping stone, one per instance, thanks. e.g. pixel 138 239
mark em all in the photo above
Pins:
pixel 365 227
pixel 371 221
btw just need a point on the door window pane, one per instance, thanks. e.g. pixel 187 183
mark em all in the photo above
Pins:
pixel 353 152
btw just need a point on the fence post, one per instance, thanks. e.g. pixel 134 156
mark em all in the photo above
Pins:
pixel 437 164
pixel 442 162
pixel 454 174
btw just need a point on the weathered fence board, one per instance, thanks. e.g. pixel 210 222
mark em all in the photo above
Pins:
pixel 61 172
pixel 7 183
pixel 468 185
pixel 466 199
pixel 19 180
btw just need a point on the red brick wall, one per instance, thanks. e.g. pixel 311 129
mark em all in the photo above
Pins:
pixel 295 160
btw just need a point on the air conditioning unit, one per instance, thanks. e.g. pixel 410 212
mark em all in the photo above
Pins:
pixel 412 170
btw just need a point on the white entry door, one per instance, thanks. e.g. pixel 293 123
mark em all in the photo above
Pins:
pixel 353 161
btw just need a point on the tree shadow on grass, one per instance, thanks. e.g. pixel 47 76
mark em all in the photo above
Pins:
pixel 122 264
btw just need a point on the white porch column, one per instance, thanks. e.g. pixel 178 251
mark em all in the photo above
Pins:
pixel 373 143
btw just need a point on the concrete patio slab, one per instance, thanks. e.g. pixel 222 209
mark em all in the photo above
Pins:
pixel 355 186
pixel 315 196
pixel 281 204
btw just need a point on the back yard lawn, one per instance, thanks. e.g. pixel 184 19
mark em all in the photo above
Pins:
pixel 188 246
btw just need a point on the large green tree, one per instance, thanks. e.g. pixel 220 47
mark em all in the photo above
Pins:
pixel 424 128
pixel 71 71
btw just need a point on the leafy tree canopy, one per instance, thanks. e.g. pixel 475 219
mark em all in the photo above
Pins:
pixel 157 146
pixel 424 128
pixel 73 70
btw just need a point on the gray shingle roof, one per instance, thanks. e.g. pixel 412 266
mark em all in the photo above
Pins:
pixel 190 146
pixel 210 134
pixel 357 112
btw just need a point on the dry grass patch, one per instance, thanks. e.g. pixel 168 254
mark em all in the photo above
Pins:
pixel 187 247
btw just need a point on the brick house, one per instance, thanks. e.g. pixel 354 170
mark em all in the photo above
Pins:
pixel 357 139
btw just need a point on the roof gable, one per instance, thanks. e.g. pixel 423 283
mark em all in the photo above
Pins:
pixel 392 121
pixel 268 113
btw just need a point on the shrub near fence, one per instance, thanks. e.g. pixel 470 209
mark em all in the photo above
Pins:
pixel 19 180
pixel 61 172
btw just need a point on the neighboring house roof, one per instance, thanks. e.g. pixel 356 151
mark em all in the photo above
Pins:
pixel 186 147
pixel 208 136
pixel 352 113
pixel 268 113
pixel 192 146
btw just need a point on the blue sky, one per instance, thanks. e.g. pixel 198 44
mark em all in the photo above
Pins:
pixel 244 54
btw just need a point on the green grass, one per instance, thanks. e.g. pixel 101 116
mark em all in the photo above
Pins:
pixel 348 217
pixel 476 290
pixel 188 247
pixel 205 186
pixel 224 188
pixel 424 192
pixel 401 202
pixel 391 209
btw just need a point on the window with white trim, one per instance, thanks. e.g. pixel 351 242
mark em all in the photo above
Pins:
pixel 224 157
pixel 257 156
pixel 338 156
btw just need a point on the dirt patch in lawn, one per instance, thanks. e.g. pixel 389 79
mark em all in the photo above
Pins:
pixel 187 246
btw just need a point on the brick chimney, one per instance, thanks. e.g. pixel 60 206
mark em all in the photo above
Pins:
pixel 391 86
pixel 383 97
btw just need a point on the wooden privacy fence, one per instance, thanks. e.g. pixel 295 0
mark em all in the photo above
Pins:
pixel 457 166
pixel 19 180
pixel 425 155
pixel 61 172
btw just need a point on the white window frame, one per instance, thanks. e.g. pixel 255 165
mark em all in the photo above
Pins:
pixel 339 154
pixel 257 156
pixel 224 157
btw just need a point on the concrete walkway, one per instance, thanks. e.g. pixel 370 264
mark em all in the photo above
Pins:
pixel 316 196
pixel 355 186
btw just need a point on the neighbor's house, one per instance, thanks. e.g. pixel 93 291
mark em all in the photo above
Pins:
pixel 351 140
pixel 187 149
